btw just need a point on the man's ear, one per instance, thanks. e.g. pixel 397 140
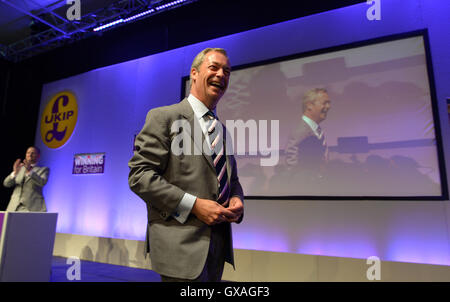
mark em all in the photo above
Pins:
pixel 194 73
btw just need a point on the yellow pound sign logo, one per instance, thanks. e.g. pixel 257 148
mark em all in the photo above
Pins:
pixel 59 119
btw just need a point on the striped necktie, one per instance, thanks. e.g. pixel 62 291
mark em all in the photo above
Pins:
pixel 215 132
pixel 324 142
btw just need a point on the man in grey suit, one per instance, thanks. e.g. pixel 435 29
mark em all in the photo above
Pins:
pixel 307 150
pixel 28 180
pixel 306 146
pixel 190 204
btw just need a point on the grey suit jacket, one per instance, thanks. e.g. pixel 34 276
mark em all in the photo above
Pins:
pixel 161 178
pixel 304 150
pixel 28 189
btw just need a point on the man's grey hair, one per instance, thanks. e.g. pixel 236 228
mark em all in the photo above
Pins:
pixel 311 95
pixel 200 57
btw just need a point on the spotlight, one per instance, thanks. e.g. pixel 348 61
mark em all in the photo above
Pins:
pixel 108 25
pixel 147 12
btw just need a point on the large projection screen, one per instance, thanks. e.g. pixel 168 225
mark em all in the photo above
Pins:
pixel 381 136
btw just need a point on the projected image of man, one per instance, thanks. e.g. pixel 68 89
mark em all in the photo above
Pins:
pixel 307 149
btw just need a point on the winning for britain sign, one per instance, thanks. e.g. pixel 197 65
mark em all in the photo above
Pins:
pixel 89 163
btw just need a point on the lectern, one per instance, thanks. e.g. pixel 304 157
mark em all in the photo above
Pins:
pixel 26 245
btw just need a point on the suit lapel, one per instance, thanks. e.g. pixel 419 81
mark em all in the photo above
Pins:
pixel 189 115
pixel 21 175
pixel 35 169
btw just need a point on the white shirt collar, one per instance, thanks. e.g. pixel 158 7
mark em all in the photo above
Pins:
pixel 311 123
pixel 199 108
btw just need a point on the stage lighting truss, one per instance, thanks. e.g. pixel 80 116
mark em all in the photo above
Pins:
pixel 61 31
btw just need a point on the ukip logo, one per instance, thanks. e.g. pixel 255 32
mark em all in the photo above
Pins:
pixel 59 119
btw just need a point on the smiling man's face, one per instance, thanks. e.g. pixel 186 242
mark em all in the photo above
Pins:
pixel 32 155
pixel 318 110
pixel 210 81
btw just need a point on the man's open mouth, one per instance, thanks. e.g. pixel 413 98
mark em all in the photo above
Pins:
pixel 217 85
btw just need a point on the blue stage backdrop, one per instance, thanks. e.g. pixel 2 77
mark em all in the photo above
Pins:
pixel 98 114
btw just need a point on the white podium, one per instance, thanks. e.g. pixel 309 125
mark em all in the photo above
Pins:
pixel 26 245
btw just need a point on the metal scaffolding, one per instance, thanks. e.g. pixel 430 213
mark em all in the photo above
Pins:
pixel 61 31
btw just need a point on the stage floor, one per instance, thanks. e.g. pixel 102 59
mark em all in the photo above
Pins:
pixel 101 272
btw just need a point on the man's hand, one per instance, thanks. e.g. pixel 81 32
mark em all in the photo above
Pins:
pixel 17 165
pixel 210 212
pixel 27 165
pixel 237 207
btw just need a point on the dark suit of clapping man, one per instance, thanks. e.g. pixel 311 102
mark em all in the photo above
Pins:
pixel 192 199
pixel 28 180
